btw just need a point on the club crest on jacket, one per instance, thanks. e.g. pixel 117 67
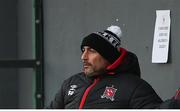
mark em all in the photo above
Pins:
pixel 71 90
pixel 109 93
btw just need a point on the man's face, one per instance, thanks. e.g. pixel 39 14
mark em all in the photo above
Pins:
pixel 93 62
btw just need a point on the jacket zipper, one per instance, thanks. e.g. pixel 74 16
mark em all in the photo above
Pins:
pixel 83 100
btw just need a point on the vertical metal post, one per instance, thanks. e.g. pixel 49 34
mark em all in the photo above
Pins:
pixel 39 54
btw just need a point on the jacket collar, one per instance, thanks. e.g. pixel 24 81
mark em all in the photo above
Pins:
pixel 118 62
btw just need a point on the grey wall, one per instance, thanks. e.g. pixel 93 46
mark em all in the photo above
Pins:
pixel 68 21
pixel 26 49
pixel 8 50
pixel 16 85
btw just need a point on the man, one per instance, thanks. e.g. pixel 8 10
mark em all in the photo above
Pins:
pixel 110 77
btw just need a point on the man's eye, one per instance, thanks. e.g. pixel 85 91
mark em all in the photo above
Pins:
pixel 82 49
pixel 92 50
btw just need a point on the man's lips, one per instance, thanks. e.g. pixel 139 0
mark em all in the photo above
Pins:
pixel 86 65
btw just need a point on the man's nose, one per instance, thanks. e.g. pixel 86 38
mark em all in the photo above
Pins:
pixel 84 55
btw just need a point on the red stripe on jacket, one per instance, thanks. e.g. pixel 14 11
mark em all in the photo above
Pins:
pixel 83 100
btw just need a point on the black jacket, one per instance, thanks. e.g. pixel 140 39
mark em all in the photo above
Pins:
pixel 119 86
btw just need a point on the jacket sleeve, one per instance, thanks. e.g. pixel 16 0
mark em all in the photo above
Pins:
pixel 58 102
pixel 173 103
pixel 144 97
pixel 170 104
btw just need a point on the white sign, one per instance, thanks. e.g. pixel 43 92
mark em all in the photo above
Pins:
pixel 161 37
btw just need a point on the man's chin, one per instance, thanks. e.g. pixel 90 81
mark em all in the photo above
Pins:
pixel 94 73
pixel 88 73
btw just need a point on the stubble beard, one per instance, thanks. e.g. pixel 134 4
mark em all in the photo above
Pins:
pixel 93 72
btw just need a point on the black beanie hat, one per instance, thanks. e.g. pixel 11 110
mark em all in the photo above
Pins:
pixel 106 43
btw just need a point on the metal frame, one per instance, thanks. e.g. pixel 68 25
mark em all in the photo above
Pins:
pixel 39 53
pixel 38 62
pixel 18 63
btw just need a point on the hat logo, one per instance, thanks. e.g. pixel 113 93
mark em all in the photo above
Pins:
pixel 109 93
pixel 110 38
